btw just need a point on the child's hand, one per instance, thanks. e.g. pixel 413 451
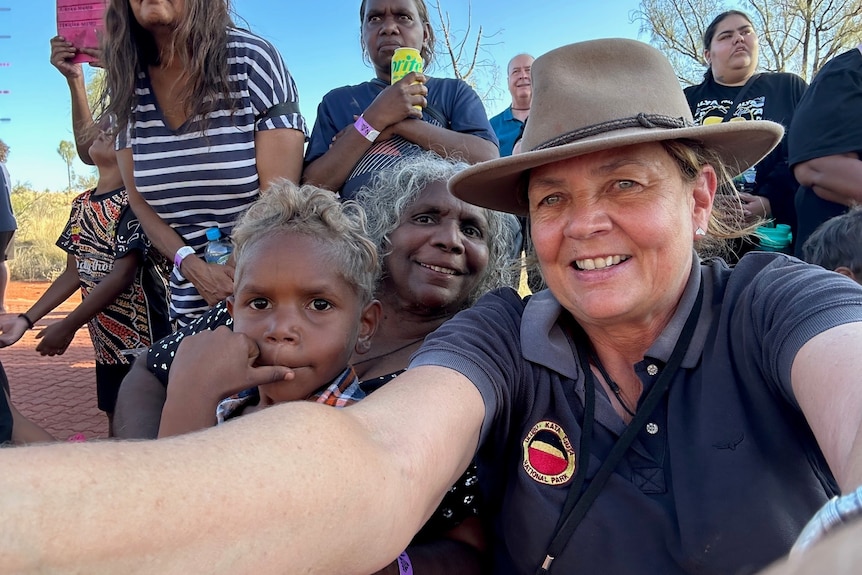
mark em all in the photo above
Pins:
pixel 55 339
pixel 221 362
pixel 13 327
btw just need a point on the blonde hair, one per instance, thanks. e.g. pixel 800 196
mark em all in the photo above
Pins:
pixel 316 213
pixel 726 221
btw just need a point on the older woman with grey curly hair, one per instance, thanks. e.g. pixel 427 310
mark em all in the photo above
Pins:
pixel 394 194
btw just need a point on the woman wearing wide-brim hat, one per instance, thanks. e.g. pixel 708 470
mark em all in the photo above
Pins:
pixel 685 416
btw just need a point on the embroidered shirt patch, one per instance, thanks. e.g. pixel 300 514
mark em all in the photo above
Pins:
pixel 549 457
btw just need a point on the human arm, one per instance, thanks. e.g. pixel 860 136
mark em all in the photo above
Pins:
pixel 56 337
pixel 401 449
pixel 837 554
pixel 191 402
pixel 280 129
pixel 278 155
pixel 60 290
pixel 62 51
pixel 447 143
pixel 25 431
pixel 392 105
pixel 213 282
pixel 143 392
pixel 824 379
pixel 461 128
pixel 139 403
pixel 834 178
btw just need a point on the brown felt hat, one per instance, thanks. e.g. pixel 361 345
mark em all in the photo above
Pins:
pixel 598 95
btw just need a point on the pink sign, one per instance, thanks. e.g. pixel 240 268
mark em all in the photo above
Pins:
pixel 79 22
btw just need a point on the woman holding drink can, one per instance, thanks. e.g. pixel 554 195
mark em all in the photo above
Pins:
pixel 363 128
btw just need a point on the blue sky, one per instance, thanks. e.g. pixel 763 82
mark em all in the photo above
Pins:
pixel 319 42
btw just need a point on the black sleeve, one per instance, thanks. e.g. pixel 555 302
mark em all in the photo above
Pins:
pixel 161 354
pixel 827 121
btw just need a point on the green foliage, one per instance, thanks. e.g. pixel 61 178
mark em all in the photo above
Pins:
pixel 67 151
pixel 796 36
pixel 95 86
pixel 41 218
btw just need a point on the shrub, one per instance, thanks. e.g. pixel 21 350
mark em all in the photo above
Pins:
pixel 41 218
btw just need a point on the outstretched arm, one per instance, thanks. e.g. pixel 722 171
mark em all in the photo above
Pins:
pixel 56 337
pixel 369 474
pixel 825 382
pixel 13 326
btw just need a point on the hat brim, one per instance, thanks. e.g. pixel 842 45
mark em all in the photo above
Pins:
pixel 499 184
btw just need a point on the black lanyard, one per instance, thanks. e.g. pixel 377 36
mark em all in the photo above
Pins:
pixel 577 504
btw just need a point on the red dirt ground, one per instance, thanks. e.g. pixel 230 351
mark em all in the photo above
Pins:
pixel 58 393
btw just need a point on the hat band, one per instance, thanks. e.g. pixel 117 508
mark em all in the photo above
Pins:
pixel 640 121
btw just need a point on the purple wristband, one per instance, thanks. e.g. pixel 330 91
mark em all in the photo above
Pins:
pixel 364 128
pixel 405 567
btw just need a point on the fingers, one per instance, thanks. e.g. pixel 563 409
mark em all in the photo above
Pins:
pixel 412 78
pixel 264 374
pixel 62 52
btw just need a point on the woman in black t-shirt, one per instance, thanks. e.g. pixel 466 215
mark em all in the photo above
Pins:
pixel 731 91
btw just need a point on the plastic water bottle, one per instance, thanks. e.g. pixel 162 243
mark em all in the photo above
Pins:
pixel 746 180
pixel 749 176
pixel 218 248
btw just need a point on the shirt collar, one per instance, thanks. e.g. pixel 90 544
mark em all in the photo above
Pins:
pixel 544 342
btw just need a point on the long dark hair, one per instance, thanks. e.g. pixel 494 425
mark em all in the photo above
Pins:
pixel 199 41
pixel 709 34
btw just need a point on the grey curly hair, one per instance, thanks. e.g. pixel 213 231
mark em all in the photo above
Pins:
pixel 317 213
pixel 391 193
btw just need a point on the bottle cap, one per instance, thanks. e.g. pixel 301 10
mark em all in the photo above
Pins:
pixel 213 234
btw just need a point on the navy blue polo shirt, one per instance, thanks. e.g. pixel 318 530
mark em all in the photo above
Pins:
pixel 725 473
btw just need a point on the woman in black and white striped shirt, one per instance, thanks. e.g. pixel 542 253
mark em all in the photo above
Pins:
pixel 207 116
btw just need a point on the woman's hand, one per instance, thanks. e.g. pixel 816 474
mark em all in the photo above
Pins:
pixel 95 54
pixel 396 102
pixel 62 52
pixel 755 207
pixel 213 281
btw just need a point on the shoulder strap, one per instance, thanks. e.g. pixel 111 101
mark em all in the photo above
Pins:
pixel 577 504
pixel 739 96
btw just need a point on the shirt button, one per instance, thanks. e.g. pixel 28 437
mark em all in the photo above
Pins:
pixel 652 428
pixel 652 369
